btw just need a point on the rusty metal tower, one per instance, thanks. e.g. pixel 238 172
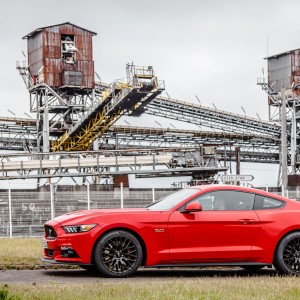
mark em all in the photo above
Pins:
pixel 59 75
pixel 283 89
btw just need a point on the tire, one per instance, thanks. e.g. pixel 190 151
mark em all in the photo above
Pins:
pixel 287 255
pixel 118 254
pixel 90 268
pixel 252 268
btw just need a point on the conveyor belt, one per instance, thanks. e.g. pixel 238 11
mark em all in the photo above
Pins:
pixel 120 98
pixel 209 117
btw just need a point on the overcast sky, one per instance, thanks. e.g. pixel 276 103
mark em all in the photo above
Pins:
pixel 212 49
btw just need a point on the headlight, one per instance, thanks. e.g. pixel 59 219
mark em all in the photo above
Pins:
pixel 78 228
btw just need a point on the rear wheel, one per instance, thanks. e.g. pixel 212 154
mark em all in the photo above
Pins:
pixel 118 254
pixel 287 255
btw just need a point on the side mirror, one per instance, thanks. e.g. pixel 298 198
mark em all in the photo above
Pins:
pixel 192 207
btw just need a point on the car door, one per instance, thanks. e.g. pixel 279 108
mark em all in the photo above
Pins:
pixel 224 231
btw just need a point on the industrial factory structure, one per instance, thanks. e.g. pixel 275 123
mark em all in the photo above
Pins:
pixel 76 116
pixel 75 135
pixel 283 89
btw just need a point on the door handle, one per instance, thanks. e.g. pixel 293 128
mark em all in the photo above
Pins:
pixel 246 221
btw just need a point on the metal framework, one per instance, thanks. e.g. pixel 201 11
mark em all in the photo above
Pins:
pixel 20 134
pixel 284 107
pixel 253 148
pixel 210 118
pixel 56 109
pixel 164 162
pixel 122 97
pixel 17 134
pixel 71 120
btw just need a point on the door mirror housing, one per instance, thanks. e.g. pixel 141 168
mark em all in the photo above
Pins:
pixel 192 207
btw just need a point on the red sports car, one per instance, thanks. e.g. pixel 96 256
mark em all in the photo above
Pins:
pixel 209 225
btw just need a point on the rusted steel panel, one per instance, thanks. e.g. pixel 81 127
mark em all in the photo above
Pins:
pixel 52 52
pixel 121 178
pixel 84 45
pixel 86 67
pixel 53 65
pixel 52 45
pixel 89 81
pixel 45 49
pixel 294 180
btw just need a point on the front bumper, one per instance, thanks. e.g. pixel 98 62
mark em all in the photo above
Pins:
pixel 53 261
pixel 68 248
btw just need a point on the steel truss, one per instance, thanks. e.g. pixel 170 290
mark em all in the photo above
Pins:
pixel 164 162
pixel 292 120
pixel 20 134
pixel 122 97
pixel 210 118
pixel 253 148
pixel 17 134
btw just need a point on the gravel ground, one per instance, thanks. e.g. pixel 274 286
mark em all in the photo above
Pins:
pixel 64 276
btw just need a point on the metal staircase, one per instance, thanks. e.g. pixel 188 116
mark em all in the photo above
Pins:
pixel 122 97
pixel 22 67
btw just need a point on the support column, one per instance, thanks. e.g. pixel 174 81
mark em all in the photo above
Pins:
pixel 46 126
pixel 122 195
pixel 52 199
pixel 238 162
pixel 283 142
pixel 293 140
pixel 10 212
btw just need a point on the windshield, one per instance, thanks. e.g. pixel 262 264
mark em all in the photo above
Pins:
pixel 172 200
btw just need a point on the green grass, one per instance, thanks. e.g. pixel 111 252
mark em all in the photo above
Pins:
pixel 229 288
pixel 20 253
pixel 25 253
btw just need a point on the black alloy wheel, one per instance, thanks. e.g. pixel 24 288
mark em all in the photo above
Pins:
pixel 118 254
pixel 287 257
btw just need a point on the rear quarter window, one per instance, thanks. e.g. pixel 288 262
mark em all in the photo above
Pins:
pixel 262 202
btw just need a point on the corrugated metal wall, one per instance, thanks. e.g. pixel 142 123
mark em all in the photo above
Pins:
pixel 284 70
pixel 35 53
pixel 44 49
pixel 279 71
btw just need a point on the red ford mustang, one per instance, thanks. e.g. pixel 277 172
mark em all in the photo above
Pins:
pixel 198 226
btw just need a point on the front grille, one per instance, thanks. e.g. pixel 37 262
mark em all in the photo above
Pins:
pixel 50 232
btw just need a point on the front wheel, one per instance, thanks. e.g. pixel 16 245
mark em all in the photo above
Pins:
pixel 118 254
pixel 287 255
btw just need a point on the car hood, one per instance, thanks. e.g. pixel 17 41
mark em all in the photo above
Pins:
pixel 81 216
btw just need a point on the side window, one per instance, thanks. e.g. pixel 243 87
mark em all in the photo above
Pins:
pixel 262 202
pixel 68 49
pixel 226 200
